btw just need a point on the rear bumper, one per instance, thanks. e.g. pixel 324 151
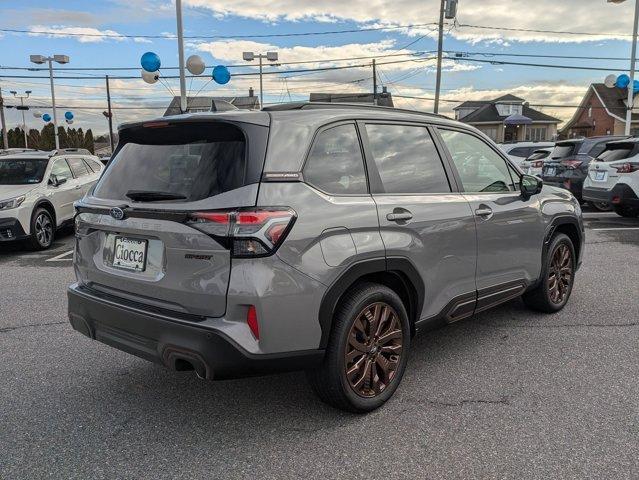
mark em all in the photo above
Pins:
pixel 11 229
pixel 177 343
pixel 620 194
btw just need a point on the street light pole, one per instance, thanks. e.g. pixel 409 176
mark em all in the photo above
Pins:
pixel 61 59
pixel 22 109
pixel 270 56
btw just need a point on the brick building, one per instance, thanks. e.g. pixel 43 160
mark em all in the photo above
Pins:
pixel 601 112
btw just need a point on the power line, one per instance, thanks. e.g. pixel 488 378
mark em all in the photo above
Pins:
pixel 532 30
pixel 204 37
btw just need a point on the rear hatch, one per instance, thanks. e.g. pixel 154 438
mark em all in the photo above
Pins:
pixel 617 159
pixel 138 232
pixel 563 155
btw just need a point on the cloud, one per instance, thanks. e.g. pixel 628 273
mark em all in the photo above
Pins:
pixel 81 34
pixel 573 15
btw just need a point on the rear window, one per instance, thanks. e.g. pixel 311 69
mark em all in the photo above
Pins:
pixel 563 150
pixel 522 152
pixel 180 162
pixel 616 152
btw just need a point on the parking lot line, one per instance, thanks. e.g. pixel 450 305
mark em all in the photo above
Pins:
pixel 61 257
pixel 615 228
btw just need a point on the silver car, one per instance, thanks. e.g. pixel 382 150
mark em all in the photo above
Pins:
pixel 315 237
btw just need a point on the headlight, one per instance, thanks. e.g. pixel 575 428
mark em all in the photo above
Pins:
pixel 11 203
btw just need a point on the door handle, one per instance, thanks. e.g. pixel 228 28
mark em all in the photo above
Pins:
pixel 484 212
pixel 398 217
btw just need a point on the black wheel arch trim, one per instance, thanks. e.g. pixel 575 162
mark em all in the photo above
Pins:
pixel 400 266
pixel 552 228
pixel 44 203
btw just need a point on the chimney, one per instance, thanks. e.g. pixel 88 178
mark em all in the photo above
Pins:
pixel 251 92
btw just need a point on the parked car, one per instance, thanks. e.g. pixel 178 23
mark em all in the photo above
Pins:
pixel 535 162
pixel 339 233
pixel 520 151
pixel 614 177
pixel 37 191
pixel 568 164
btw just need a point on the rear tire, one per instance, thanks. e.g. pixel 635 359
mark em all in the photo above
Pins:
pixel 626 211
pixel 601 206
pixel 557 277
pixel 367 350
pixel 42 230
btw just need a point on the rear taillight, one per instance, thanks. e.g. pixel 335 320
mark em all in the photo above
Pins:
pixel 247 233
pixel 571 164
pixel 626 167
pixel 537 164
pixel 251 321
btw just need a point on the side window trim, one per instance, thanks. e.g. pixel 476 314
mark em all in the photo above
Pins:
pixel 309 150
pixel 500 154
pixel 375 180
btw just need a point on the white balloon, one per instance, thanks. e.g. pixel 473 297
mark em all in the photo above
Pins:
pixel 195 65
pixel 70 121
pixel 610 81
pixel 150 77
pixel 37 114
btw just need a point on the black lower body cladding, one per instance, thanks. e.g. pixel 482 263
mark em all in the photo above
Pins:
pixel 175 343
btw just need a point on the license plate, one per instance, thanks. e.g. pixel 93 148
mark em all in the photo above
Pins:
pixel 550 172
pixel 130 254
pixel 600 176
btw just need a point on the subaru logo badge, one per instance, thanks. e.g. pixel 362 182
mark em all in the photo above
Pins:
pixel 117 213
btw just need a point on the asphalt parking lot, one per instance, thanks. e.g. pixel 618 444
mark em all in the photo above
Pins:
pixel 507 394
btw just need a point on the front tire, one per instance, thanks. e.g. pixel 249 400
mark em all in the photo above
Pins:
pixel 557 277
pixel 601 206
pixel 367 350
pixel 626 211
pixel 42 230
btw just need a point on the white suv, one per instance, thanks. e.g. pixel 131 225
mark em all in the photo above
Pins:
pixel 37 191
pixel 614 177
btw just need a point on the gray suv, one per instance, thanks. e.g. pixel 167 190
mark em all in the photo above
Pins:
pixel 315 237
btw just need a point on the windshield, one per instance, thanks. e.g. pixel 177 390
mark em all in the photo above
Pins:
pixel 176 163
pixel 24 171
pixel 563 150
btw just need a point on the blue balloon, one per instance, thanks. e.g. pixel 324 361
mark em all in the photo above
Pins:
pixel 150 62
pixel 221 74
pixel 635 86
pixel 623 81
pixel 68 115
pixel 46 117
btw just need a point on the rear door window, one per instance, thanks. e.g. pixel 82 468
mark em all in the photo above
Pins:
pixel 78 167
pixel 179 162
pixel 335 164
pixel 61 169
pixel 406 159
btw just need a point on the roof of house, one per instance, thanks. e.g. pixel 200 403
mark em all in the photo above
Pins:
pixel 200 104
pixel 614 102
pixel 383 99
pixel 488 113
pixel 478 103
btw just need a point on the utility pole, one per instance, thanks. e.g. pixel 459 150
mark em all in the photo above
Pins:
pixel 5 138
pixel 374 83
pixel 22 108
pixel 109 114
pixel 631 85
pixel 180 35
pixel 448 9
pixel 440 46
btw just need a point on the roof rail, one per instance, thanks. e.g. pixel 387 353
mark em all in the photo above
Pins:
pixel 64 151
pixel 326 105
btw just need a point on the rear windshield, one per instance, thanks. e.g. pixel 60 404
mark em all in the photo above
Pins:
pixel 22 171
pixel 538 155
pixel 615 152
pixel 563 150
pixel 179 163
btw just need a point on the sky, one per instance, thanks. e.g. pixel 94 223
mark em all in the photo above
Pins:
pixel 113 34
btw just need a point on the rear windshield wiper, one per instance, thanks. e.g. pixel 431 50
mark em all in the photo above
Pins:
pixel 151 196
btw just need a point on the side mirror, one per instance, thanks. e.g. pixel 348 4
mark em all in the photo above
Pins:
pixel 530 185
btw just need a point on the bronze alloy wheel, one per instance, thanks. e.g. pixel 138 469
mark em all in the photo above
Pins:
pixel 373 349
pixel 560 274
